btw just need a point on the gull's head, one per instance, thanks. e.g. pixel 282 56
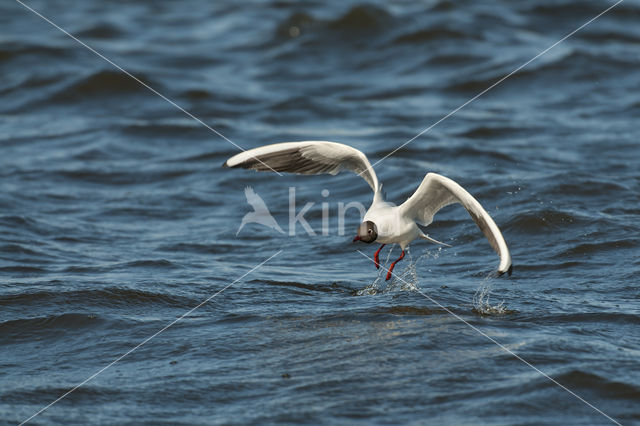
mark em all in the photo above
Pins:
pixel 367 232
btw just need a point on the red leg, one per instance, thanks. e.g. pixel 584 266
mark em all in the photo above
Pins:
pixel 394 264
pixel 376 257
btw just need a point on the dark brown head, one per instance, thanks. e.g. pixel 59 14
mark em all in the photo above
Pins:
pixel 367 232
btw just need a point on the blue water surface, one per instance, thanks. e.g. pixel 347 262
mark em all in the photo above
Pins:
pixel 117 217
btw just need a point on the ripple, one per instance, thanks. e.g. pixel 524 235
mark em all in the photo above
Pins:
pixel 610 36
pixel 23 269
pixel 577 64
pixel 458 152
pixel 101 30
pixel 104 84
pixel 577 379
pixel 196 248
pixel 588 187
pixel 590 317
pixel 431 34
pixel 323 288
pixel 296 24
pixel 362 18
pixel 358 21
pixel 136 264
pixel 86 394
pixel 108 177
pixel 492 132
pixel 21 249
pixel 29 328
pixel 408 310
pixel 105 297
pixel 543 221
pixel 36 50
pixel 599 247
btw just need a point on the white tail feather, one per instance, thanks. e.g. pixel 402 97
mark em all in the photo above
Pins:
pixel 428 238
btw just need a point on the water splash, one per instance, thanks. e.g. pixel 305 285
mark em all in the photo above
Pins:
pixel 379 284
pixel 482 303
pixel 404 278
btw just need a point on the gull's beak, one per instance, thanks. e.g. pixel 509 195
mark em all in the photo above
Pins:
pixel 356 238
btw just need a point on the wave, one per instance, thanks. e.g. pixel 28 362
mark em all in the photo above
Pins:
pixel 589 317
pixel 103 83
pixel 101 30
pixel 28 328
pixel 358 21
pixel 23 269
pixel 431 34
pixel 459 152
pixel 296 24
pixel 89 393
pixel 610 36
pixel 597 247
pixel 133 177
pixel 549 266
pixel 32 82
pixel 543 221
pixel 451 59
pixel 106 297
pixel 146 212
pixel 323 288
pixel 579 64
pixel 145 264
pixel 196 248
pixel 154 129
pixel 9 51
pixel 216 158
pixel 385 94
pixel 577 379
pixel 497 131
pixel 566 9
pixel 21 249
pixel 587 186
pixel 408 310
pixel 362 18
pixel 17 221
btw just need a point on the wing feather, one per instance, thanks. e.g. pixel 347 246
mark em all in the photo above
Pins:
pixel 308 158
pixel 436 192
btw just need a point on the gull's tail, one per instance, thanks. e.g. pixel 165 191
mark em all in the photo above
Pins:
pixel 428 238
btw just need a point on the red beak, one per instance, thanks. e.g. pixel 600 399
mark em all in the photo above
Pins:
pixel 356 238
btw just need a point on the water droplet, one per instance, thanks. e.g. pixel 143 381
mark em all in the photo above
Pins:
pixel 294 31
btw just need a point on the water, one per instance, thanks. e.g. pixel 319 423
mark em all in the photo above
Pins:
pixel 116 217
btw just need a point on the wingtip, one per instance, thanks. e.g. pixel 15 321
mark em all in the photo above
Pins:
pixel 225 164
pixel 508 271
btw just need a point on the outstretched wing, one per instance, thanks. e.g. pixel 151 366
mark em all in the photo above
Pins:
pixel 308 158
pixel 436 192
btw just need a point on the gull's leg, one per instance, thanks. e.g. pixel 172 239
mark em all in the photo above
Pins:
pixel 376 257
pixel 394 264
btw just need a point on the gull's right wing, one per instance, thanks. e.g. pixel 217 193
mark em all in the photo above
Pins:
pixel 436 192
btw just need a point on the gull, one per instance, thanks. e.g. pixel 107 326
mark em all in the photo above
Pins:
pixel 384 222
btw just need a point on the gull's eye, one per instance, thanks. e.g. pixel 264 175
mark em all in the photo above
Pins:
pixel 369 231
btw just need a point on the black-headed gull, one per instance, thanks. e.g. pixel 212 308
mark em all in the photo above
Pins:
pixel 383 222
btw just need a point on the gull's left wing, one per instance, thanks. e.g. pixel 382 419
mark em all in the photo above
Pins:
pixel 436 192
